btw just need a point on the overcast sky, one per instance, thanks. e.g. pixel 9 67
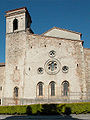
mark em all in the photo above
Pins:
pixel 67 14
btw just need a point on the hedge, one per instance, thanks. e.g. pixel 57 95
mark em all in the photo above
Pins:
pixel 46 109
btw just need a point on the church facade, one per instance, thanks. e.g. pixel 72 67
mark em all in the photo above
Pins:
pixel 50 68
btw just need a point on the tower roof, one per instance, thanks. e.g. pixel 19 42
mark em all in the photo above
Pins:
pixel 18 11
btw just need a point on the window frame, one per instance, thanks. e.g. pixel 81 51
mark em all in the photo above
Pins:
pixel 52 87
pixel 40 88
pixel 65 88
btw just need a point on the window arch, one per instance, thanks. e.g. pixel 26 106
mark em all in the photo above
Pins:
pixel 40 89
pixel 65 88
pixel 15 24
pixel 16 92
pixel 52 86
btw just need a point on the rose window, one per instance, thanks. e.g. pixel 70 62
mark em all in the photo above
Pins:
pixel 52 66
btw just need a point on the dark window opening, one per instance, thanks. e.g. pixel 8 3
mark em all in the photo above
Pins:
pixel 15 24
pixel 52 88
pixel 16 91
pixel 16 67
pixel 40 85
pixel 0 101
pixel 29 68
pixel 0 87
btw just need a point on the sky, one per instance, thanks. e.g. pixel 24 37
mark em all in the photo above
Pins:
pixel 67 14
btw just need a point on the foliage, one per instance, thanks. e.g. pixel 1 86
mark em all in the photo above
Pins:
pixel 47 109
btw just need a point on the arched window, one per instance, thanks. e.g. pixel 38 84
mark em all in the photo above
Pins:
pixel 52 86
pixel 16 91
pixel 40 89
pixel 65 85
pixel 15 24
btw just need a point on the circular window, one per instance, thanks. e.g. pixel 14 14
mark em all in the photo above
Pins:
pixel 52 53
pixel 65 69
pixel 40 70
pixel 52 66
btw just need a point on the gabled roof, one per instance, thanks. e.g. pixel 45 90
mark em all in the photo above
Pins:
pixel 63 30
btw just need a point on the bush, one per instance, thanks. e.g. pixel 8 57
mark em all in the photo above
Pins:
pixel 47 109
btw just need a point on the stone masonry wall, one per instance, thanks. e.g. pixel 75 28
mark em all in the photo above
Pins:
pixel 25 53
pixel 15 55
pixel 87 70
pixel 2 79
pixel 68 52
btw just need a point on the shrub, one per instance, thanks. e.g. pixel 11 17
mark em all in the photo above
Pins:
pixel 47 109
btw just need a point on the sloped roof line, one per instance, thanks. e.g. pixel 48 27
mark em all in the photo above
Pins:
pixel 16 9
pixel 61 29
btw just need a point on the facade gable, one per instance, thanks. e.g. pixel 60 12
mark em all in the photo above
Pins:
pixel 63 33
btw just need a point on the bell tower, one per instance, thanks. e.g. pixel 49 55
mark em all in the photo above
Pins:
pixel 18 23
pixel 17 20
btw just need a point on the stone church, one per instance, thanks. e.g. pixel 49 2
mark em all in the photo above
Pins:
pixel 53 67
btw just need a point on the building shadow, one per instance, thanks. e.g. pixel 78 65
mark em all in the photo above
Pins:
pixel 39 117
pixel 29 110
pixel 49 109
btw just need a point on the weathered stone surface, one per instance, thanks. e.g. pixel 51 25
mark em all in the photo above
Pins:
pixel 2 78
pixel 87 70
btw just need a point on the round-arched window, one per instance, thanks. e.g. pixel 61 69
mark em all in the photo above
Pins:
pixel 52 86
pixel 40 89
pixel 65 86
pixel 15 24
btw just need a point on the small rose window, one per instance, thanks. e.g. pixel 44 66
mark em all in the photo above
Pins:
pixel 65 69
pixel 52 53
pixel 40 70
